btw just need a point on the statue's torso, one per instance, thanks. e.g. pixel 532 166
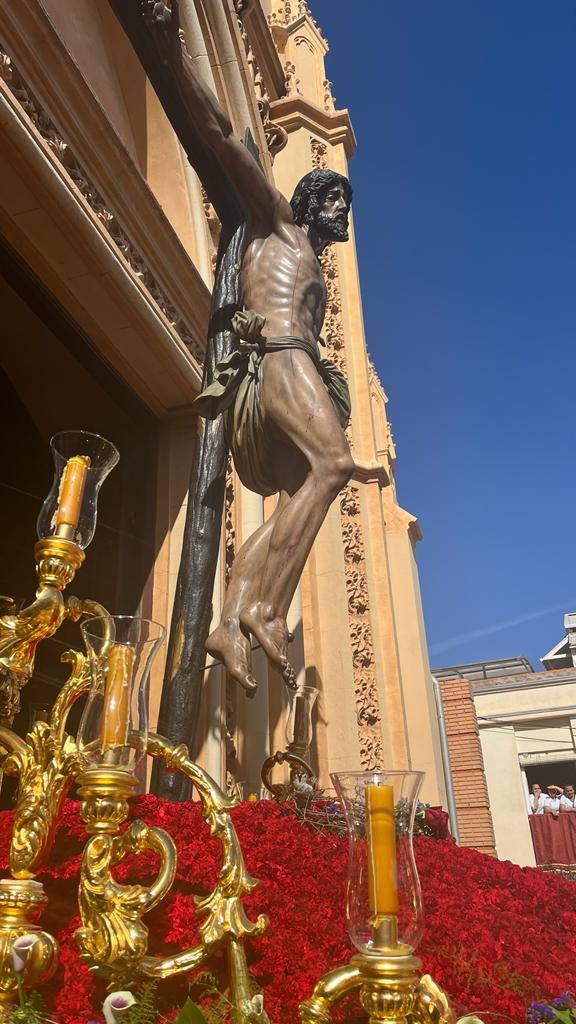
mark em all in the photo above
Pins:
pixel 282 280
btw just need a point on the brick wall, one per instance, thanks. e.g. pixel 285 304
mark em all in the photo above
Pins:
pixel 467 764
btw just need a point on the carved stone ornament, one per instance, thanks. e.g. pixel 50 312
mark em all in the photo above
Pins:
pixel 292 82
pixel 365 686
pixel 363 660
pixel 276 137
pixel 329 104
pixel 61 149
pixel 289 11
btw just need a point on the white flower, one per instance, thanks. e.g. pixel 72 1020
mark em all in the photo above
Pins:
pixel 21 949
pixel 115 1005
pixel 253 1010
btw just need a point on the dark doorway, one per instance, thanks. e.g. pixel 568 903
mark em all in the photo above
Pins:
pixel 52 379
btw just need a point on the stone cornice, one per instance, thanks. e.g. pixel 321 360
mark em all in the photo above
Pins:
pixel 103 294
pixel 370 472
pixel 59 85
pixel 293 112
pixel 399 521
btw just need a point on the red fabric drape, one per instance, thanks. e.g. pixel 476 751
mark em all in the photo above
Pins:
pixel 554 839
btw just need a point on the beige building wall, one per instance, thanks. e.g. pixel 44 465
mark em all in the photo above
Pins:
pixel 507 801
pixel 523 722
pixel 96 197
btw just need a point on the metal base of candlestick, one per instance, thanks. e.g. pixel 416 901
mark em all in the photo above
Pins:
pixel 302 785
pixel 390 990
pixel 21 900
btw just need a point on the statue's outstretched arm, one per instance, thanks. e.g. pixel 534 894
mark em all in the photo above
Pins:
pixel 264 204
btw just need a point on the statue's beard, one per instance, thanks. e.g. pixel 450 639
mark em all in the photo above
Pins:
pixel 333 227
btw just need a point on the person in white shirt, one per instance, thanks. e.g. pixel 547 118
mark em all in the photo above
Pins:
pixel 537 799
pixel 552 801
pixel 568 799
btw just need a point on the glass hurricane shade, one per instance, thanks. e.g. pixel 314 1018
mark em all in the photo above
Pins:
pixel 299 722
pixel 113 730
pixel 383 893
pixel 82 461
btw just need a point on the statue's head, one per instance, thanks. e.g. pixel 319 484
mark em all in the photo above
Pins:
pixel 322 200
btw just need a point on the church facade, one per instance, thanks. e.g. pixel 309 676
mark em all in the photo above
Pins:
pixel 107 253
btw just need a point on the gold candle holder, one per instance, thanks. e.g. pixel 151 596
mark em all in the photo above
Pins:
pixel 384 908
pixel 390 989
pixel 21 902
pixel 66 526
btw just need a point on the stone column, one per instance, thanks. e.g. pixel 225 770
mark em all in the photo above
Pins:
pixel 176 440
pixel 329 664
pixel 252 713
pixel 422 733
pixel 241 111
pixel 196 46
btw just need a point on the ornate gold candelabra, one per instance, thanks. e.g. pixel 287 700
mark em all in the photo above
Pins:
pixel 112 741
pixel 46 761
pixel 384 908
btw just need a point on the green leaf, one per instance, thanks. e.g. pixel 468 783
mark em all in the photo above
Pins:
pixel 470 1020
pixel 563 1015
pixel 190 1013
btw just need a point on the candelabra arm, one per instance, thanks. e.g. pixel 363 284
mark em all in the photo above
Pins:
pixel 45 767
pixel 45 762
pixel 222 914
pixel 159 842
pixel 20 634
pixel 57 560
pixel 249 1009
pixel 76 607
pixel 78 682
pixel 432 1005
pixel 328 991
pixel 113 933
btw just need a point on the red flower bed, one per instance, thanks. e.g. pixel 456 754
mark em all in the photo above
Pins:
pixel 497 936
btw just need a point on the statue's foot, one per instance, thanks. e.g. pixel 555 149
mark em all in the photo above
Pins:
pixel 231 646
pixel 272 635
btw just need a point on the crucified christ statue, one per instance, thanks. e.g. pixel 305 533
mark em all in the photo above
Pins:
pixel 286 408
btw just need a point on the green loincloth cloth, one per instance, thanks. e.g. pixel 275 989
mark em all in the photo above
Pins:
pixel 236 392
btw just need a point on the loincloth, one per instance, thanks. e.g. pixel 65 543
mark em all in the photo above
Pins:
pixel 237 393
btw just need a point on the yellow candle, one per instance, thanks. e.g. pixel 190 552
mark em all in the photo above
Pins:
pixel 381 849
pixel 71 493
pixel 116 713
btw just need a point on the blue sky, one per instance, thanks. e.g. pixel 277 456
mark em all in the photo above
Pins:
pixel 465 215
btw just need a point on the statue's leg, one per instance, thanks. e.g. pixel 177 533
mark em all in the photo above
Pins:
pixel 297 407
pixel 230 642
